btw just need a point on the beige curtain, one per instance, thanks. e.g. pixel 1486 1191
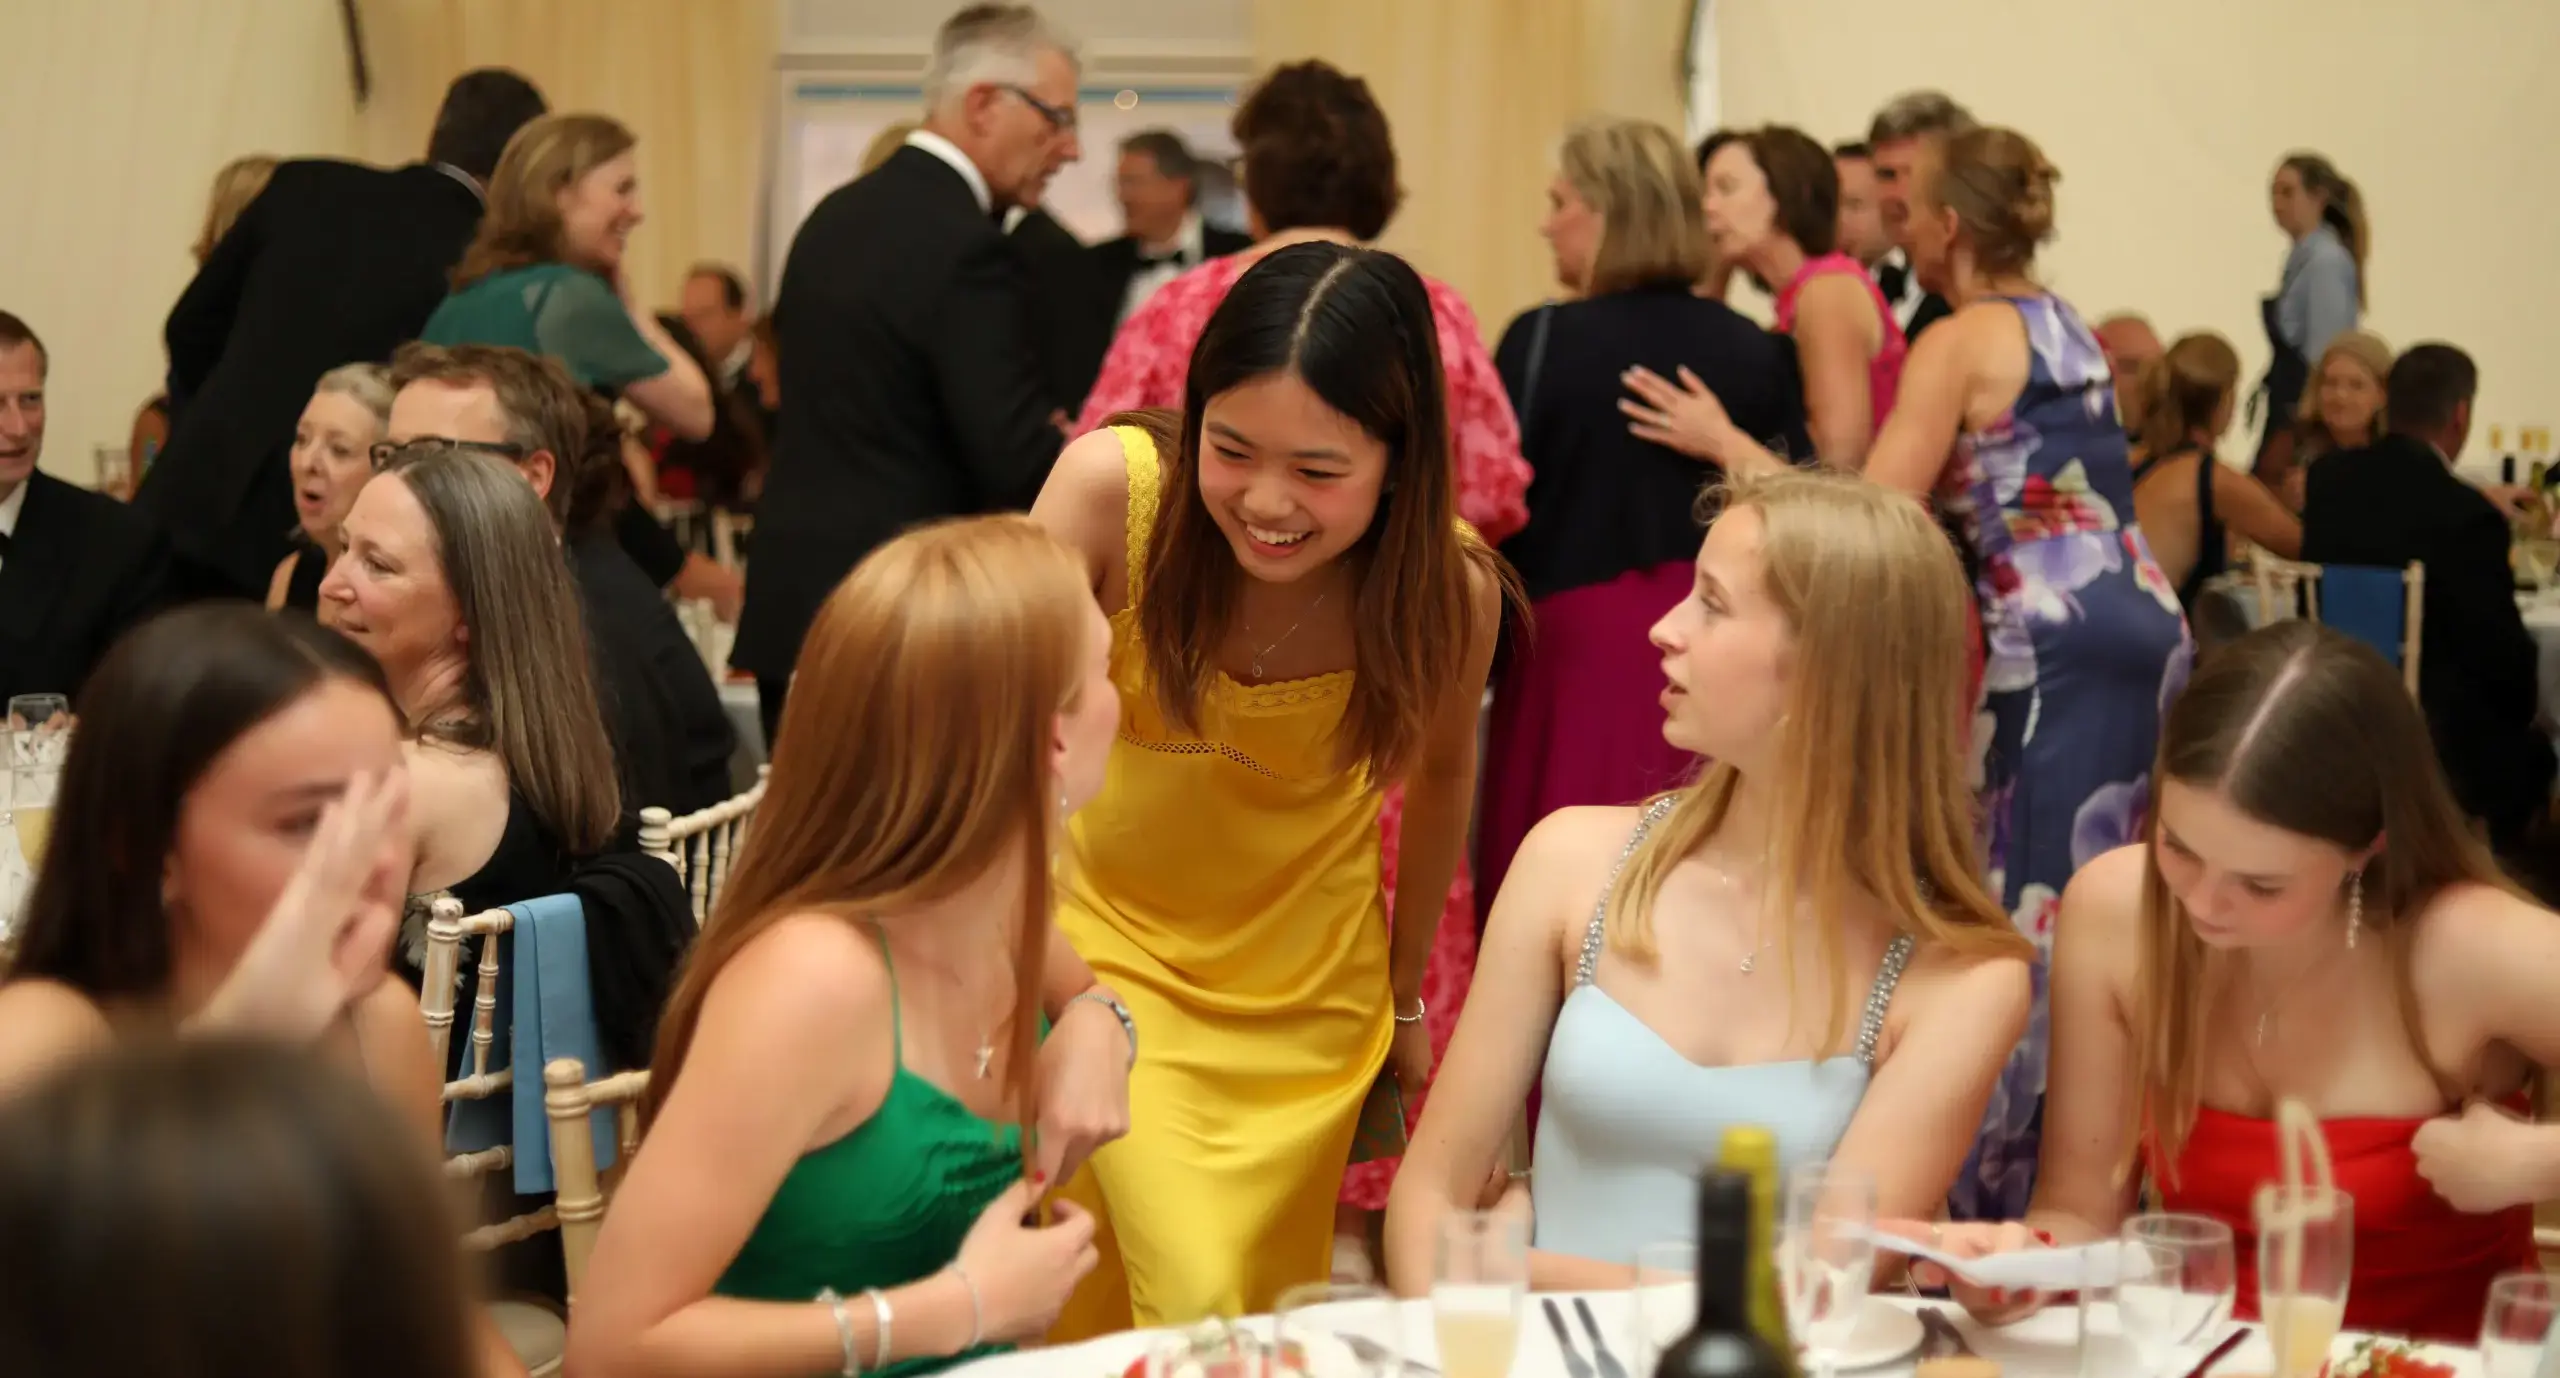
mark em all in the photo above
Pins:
pixel 1478 93
pixel 691 79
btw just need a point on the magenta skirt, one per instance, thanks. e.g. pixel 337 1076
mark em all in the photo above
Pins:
pixel 1577 714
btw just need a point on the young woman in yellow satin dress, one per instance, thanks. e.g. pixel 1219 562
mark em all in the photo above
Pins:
pixel 1297 616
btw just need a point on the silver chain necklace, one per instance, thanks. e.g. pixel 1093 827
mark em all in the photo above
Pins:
pixel 1284 636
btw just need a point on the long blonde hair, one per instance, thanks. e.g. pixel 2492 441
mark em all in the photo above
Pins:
pixel 529 697
pixel 919 724
pixel 1870 793
pixel 2309 730
pixel 545 158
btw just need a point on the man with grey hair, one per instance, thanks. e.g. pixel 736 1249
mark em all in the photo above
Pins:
pixel 910 386
pixel 1908 124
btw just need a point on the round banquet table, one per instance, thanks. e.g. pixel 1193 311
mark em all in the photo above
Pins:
pixel 2045 1345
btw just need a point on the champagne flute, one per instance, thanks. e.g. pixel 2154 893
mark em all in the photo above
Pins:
pixel 1665 1301
pixel 1336 1328
pixel 1826 1258
pixel 1479 1281
pixel 2518 1325
pixel 2303 1321
pixel 2179 1277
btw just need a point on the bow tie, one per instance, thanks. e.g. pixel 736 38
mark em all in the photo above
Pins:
pixel 1891 279
pixel 1170 258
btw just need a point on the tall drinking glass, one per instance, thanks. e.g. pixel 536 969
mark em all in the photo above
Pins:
pixel 39 740
pixel 1479 1281
pixel 2175 1292
pixel 2302 1320
pixel 1334 1328
pixel 1826 1258
pixel 2517 1328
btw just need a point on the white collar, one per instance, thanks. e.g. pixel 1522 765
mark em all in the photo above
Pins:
pixel 1187 241
pixel 949 152
pixel 11 505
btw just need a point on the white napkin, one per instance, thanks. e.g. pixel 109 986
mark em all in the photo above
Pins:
pixel 2103 1264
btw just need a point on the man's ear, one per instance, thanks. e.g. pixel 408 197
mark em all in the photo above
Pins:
pixel 540 469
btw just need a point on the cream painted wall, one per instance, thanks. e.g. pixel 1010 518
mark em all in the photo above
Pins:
pixel 119 112
pixel 2167 119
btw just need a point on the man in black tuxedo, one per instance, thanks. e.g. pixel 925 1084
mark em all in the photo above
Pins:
pixel 76 568
pixel 1906 125
pixel 1061 290
pixel 2399 500
pixel 1159 186
pixel 334 263
pixel 910 390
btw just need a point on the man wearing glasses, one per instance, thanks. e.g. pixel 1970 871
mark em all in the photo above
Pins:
pixel 910 386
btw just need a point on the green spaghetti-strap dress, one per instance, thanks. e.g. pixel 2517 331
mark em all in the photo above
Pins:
pixel 885 1205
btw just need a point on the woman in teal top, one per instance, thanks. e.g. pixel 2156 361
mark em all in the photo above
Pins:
pixel 852 1110
pixel 541 274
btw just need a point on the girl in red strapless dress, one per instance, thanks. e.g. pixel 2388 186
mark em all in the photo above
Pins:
pixel 2422 1268
pixel 2312 919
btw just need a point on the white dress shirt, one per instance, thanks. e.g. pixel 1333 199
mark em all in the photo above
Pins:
pixel 1187 252
pixel 949 152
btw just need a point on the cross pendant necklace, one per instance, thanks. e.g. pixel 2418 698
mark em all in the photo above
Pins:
pixel 1284 636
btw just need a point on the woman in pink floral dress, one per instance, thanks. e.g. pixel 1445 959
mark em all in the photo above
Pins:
pixel 1319 164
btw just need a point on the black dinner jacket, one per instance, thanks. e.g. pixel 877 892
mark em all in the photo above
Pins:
pixel 334 263
pixel 81 569
pixel 2395 501
pixel 1061 286
pixel 1116 261
pixel 910 390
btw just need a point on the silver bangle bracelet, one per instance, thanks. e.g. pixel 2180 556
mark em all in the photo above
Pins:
pixel 977 1310
pixel 851 1366
pixel 882 1314
pixel 1419 1010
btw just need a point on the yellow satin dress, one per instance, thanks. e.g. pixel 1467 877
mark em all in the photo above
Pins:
pixel 1227 885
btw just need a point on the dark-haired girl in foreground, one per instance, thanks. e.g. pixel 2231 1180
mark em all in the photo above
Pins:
pixel 227 1211
pixel 1299 619
pixel 229 854
pixel 2310 918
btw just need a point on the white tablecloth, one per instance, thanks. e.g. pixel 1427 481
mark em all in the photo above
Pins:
pixel 2042 1346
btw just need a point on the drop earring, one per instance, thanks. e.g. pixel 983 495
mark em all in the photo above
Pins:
pixel 2355 908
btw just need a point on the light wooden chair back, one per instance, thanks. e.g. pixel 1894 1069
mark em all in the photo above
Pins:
pixel 2283 586
pixel 448 932
pixel 701 845
pixel 568 1099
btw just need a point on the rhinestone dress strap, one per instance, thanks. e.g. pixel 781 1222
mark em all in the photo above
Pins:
pixel 1591 937
pixel 1880 998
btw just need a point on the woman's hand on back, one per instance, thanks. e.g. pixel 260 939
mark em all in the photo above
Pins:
pixel 1024 1273
pixel 327 940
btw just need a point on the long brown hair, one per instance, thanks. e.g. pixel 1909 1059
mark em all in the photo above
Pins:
pixel 2179 392
pixel 1875 697
pixel 545 158
pixel 529 696
pixel 2308 730
pixel 2341 207
pixel 1355 325
pixel 272 1216
pixel 926 699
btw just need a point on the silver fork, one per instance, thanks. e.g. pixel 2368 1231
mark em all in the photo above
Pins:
pixel 1608 1361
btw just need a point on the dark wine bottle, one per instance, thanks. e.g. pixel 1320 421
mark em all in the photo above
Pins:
pixel 1723 1342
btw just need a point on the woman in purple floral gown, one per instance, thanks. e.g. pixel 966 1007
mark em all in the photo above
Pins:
pixel 2083 637
pixel 2007 419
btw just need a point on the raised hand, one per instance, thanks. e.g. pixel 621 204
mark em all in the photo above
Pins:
pixel 327 940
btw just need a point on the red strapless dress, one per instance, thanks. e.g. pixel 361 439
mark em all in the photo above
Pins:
pixel 2422 1268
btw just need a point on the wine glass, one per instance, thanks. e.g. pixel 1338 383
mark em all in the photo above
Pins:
pixel 2518 1325
pixel 1826 1256
pixel 1665 1301
pixel 1337 1328
pixel 2177 1283
pixel 1478 1283
pixel 2302 1323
